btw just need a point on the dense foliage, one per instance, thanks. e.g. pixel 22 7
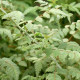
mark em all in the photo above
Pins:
pixel 40 40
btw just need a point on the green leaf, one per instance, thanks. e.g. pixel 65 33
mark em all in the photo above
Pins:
pixel 78 25
pixel 38 67
pixel 18 59
pixel 50 69
pixel 39 19
pixel 48 51
pixel 77 35
pixel 46 15
pixel 23 63
pixel 51 19
pixel 74 72
pixel 57 11
pixel 72 26
pixel 30 9
pixel 17 16
pixel 6 32
pixel 29 26
pixel 53 77
pixel 11 69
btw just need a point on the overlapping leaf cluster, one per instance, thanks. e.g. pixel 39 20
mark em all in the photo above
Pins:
pixel 40 42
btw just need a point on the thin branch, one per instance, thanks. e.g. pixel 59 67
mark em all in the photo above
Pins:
pixel 56 62
pixel 21 29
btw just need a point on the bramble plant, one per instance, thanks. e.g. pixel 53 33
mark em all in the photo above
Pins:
pixel 39 40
